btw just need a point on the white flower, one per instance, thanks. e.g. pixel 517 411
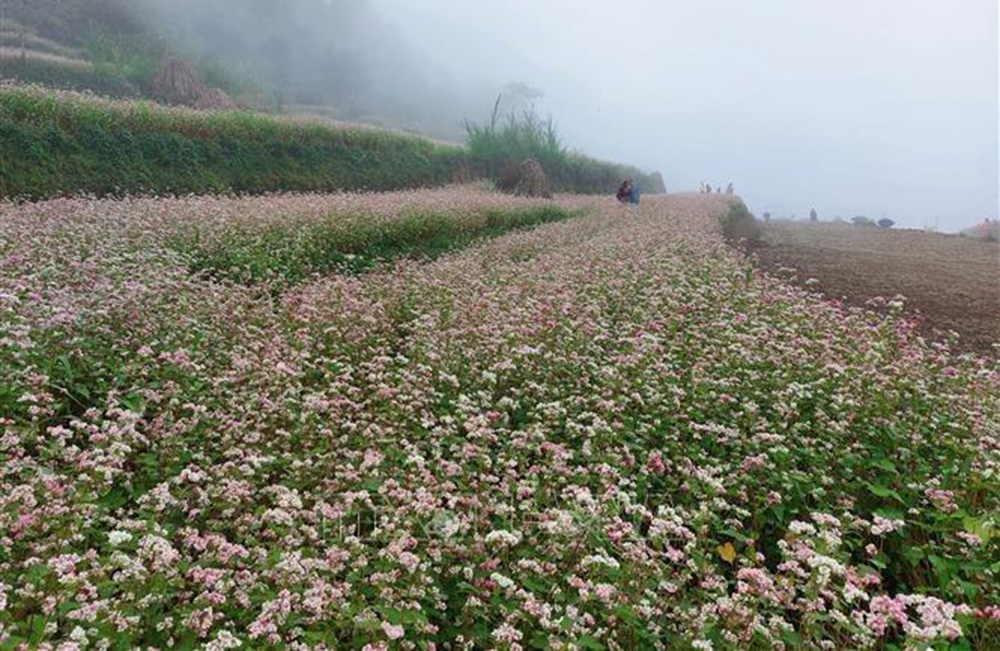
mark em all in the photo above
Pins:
pixel 599 559
pixel 501 538
pixel 223 641
pixel 881 526
pixel 504 582
pixel 119 537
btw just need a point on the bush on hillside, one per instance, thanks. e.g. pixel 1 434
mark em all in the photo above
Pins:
pixel 739 224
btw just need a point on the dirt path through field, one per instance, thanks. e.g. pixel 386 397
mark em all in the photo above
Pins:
pixel 951 282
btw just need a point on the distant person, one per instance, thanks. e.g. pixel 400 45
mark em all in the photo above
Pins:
pixel 813 216
pixel 708 188
pixel 729 188
pixel 633 193
pixel 624 192
pixel 718 190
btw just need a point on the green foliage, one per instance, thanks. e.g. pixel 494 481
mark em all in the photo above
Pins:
pixel 739 224
pixel 12 36
pixel 510 139
pixel 63 144
pixel 134 57
pixel 292 251
pixel 58 144
pixel 58 72
pixel 137 56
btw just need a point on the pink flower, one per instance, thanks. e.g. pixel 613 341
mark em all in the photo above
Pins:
pixel 393 632
pixel 654 464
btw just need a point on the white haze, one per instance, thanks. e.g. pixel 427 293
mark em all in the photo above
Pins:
pixel 874 107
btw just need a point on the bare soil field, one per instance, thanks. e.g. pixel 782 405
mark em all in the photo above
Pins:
pixel 951 282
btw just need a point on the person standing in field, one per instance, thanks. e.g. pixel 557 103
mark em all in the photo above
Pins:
pixel 623 192
pixel 633 193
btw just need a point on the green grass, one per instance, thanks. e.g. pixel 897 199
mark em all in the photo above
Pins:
pixel 512 138
pixel 56 144
pixel 56 71
pixel 291 252
pixel 12 37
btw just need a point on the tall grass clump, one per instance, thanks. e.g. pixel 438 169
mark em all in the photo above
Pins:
pixel 510 138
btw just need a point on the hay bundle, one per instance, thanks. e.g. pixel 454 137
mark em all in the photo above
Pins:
pixel 177 83
pixel 526 179
pixel 214 99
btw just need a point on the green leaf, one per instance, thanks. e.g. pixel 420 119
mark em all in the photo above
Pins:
pixel 884 491
pixel 589 642
pixel 982 527
pixel 885 464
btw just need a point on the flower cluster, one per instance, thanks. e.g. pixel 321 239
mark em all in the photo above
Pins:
pixel 608 431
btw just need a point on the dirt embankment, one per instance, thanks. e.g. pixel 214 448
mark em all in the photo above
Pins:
pixel 951 282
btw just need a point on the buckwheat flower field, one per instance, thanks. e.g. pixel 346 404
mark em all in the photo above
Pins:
pixel 608 431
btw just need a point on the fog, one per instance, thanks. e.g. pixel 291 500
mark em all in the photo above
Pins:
pixel 874 107
pixel 885 108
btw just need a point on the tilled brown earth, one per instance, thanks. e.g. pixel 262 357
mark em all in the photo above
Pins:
pixel 952 283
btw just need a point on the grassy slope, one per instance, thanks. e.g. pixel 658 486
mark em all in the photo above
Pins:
pixel 64 143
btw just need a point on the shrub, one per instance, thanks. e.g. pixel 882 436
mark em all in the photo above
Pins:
pixel 739 224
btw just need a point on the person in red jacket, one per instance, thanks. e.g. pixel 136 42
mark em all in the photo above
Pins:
pixel 624 191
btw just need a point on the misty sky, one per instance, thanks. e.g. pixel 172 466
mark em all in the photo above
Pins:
pixel 875 107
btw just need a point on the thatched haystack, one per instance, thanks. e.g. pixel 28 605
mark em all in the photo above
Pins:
pixel 178 84
pixel 526 179
pixel 215 99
